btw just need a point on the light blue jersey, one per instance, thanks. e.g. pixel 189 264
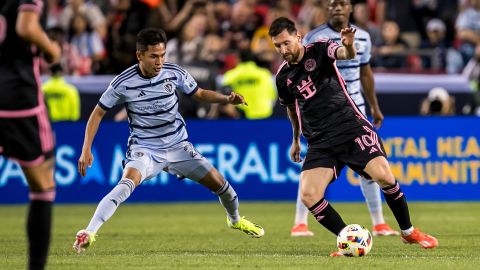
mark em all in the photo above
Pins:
pixel 152 104
pixel 350 69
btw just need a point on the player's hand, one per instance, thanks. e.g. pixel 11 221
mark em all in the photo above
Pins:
pixel 236 99
pixel 53 55
pixel 348 36
pixel 295 152
pixel 377 116
pixel 86 159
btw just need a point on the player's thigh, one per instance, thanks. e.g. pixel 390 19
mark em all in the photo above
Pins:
pixel 142 164
pixel 319 169
pixel 40 177
pixel 366 155
pixel 185 161
pixel 313 182
pixel 29 141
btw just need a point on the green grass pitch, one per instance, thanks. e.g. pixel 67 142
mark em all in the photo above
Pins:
pixel 195 236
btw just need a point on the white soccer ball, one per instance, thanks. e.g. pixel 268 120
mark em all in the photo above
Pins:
pixel 354 241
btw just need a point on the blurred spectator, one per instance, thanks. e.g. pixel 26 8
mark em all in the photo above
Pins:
pixel 241 28
pixel 53 14
pixel 192 7
pixel 125 19
pixel 361 17
pixel 70 58
pixel 62 98
pixel 401 13
pixel 438 102
pixel 390 53
pixel 255 84
pixel 186 47
pixel 93 15
pixel 472 73
pixel 436 42
pixel 204 69
pixel 87 42
pixel 262 45
pixel 468 30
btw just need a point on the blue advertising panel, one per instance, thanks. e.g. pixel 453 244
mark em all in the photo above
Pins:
pixel 434 159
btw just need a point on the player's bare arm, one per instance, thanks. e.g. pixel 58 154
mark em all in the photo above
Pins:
pixel 86 158
pixel 210 96
pixel 295 147
pixel 347 51
pixel 367 81
pixel 28 27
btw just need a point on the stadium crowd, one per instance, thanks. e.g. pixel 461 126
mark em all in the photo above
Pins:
pixel 207 37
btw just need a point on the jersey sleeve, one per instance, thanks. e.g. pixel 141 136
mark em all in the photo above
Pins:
pixel 187 83
pixel 331 48
pixel 285 97
pixel 365 57
pixel 31 5
pixel 112 97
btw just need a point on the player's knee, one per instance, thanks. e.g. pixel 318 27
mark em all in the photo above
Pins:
pixel 309 196
pixel 384 177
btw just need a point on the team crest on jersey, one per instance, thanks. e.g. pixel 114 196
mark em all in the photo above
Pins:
pixel 169 87
pixel 357 45
pixel 310 64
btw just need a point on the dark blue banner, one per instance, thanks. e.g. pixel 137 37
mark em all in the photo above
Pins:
pixel 435 159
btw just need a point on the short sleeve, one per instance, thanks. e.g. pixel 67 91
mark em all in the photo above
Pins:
pixel 112 97
pixel 332 48
pixel 365 57
pixel 31 5
pixel 187 83
pixel 284 96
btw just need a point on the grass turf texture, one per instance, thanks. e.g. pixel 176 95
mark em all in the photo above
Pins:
pixel 195 236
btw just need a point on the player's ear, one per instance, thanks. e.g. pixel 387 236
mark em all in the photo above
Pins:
pixel 138 54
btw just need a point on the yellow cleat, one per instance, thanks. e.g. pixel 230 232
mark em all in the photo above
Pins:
pixel 248 227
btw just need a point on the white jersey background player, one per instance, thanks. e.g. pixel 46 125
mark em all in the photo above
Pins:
pixel 358 75
pixel 158 136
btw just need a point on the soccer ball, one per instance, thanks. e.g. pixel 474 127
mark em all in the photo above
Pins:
pixel 354 241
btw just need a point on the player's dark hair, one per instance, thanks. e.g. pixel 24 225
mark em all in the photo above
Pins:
pixel 150 36
pixel 281 24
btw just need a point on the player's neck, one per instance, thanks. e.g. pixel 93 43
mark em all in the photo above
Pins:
pixel 143 73
pixel 337 26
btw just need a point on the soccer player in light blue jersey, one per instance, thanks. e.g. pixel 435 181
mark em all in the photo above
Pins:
pixel 357 74
pixel 158 137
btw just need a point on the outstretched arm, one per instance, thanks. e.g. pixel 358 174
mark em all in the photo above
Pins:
pixel 295 148
pixel 347 51
pixel 366 78
pixel 210 96
pixel 86 158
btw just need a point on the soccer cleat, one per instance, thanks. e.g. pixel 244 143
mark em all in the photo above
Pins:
pixel 248 227
pixel 383 230
pixel 417 237
pixel 336 254
pixel 83 240
pixel 300 230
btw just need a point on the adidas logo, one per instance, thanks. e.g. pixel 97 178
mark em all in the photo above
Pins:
pixel 373 150
pixel 114 201
pixel 141 94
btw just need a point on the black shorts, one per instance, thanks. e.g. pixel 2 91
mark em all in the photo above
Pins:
pixel 355 153
pixel 27 140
